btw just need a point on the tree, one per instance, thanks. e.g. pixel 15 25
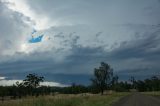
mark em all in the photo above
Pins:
pixel 133 81
pixel 114 82
pixel 32 81
pixel 3 92
pixel 102 76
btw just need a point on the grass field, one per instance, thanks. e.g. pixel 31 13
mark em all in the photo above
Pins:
pixel 67 100
pixel 153 93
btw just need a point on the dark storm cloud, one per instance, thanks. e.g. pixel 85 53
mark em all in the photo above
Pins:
pixel 140 54
pixel 141 48
pixel 125 34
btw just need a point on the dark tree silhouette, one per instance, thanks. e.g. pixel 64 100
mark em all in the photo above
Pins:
pixel 114 82
pixel 102 76
pixel 32 81
pixel 133 81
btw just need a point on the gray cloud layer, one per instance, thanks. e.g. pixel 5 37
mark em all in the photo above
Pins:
pixel 139 54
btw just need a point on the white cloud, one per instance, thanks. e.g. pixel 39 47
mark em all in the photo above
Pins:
pixel 39 21
pixel 12 30
pixel 2 78
pixel 4 82
pixel 8 82
pixel 49 83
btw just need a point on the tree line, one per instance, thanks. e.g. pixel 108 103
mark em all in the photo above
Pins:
pixel 103 79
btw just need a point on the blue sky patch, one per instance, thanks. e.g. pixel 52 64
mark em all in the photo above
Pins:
pixel 36 40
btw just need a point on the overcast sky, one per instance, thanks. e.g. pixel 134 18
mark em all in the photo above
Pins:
pixel 78 35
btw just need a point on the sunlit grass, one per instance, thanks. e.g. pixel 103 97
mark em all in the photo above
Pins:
pixel 67 100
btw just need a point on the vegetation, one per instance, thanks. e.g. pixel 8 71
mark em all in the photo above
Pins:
pixel 152 84
pixel 103 77
pixel 67 100
pixel 32 80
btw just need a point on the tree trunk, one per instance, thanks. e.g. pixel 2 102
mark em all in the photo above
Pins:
pixel 102 91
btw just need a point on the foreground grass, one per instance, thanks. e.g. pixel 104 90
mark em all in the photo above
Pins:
pixel 67 100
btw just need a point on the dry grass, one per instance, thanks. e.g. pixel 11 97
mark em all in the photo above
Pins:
pixel 153 93
pixel 67 100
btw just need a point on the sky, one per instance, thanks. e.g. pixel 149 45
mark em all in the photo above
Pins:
pixel 78 35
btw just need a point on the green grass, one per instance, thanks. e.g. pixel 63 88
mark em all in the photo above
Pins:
pixel 67 100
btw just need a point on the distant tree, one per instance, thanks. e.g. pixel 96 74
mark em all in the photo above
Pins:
pixel 114 82
pixel 20 89
pixel 122 86
pixel 3 92
pixel 141 86
pixel 32 81
pixel 102 76
pixel 133 81
pixel 155 83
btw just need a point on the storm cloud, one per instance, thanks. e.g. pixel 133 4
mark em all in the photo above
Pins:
pixel 78 35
